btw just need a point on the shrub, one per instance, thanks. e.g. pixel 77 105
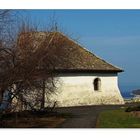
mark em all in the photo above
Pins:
pixel 132 108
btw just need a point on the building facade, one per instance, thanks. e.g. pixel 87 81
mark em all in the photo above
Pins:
pixel 84 79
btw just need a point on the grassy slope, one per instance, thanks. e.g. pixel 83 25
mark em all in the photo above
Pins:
pixel 117 119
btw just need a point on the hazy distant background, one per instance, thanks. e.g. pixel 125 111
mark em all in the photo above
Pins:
pixel 114 35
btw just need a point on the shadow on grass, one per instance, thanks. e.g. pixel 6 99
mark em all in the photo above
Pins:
pixel 33 119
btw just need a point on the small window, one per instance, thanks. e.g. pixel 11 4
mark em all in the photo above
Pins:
pixel 97 84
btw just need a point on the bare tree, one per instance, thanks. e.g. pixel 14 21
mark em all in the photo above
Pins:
pixel 27 67
pixel 28 61
pixel 20 68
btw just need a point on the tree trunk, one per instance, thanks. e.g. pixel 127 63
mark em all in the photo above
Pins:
pixel 43 95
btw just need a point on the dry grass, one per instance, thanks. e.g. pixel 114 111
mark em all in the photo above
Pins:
pixel 46 122
pixel 32 120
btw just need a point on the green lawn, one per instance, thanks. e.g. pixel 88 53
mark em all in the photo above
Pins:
pixel 117 119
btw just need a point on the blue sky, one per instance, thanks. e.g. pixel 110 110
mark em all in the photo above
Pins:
pixel 114 35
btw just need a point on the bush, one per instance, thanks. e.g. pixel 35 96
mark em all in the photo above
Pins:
pixel 134 108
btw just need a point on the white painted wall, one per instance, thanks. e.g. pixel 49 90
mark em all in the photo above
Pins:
pixel 78 89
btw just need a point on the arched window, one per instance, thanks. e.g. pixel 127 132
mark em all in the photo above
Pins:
pixel 97 84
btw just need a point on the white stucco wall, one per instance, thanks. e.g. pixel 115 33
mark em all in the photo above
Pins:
pixel 78 89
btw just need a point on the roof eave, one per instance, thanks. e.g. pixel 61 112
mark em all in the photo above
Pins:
pixel 86 71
